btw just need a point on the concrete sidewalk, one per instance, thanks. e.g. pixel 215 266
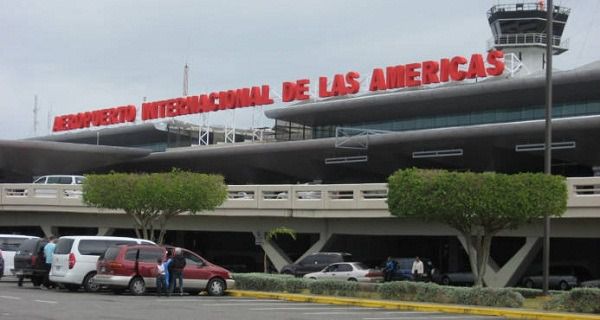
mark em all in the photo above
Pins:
pixel 512 313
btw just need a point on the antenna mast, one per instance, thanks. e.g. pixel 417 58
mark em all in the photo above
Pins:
pixel 35 114
pixel 186 70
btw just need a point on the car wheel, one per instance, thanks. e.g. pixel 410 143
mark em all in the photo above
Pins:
pixel 313 278
pixel 193 292
pixel 216 287
pixel 529 284
pixel 137 286
pixel 563 285
pixel 352 279
pixel 89 284
pixel 446 281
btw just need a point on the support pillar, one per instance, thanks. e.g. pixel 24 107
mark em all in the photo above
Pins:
pixel 49 230
pixel 104 231
pixel 510 273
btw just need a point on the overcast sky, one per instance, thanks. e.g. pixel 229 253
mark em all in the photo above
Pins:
pixel 86 55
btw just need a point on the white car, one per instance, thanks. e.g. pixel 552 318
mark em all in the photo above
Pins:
pixel 9 244
pixel 75 257
pixel 347 271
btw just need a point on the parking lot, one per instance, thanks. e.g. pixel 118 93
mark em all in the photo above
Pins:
pixel 35 303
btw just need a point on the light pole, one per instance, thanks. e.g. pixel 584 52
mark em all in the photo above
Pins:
pixel 548 135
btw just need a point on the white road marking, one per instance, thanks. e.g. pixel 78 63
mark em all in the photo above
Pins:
pixel 10 297
pixel 45 301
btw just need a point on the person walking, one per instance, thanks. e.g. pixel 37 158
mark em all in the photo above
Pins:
pixel 389 269
pixel 417 269
pixel 176 271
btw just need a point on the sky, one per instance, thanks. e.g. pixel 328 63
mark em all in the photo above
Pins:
pixel 85 55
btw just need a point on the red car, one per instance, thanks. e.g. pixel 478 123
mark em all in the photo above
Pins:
pixel 133 267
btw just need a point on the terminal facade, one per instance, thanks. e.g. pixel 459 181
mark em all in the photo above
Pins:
pixel 482 124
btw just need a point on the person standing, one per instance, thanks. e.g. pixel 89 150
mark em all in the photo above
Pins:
pixel 48 254
pixel 389 269
pixel 161 278
pixel 417 269
pixel 176 271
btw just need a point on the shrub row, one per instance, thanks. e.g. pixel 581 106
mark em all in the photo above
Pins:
pixel 431 292
pixel 401 290
pixel 585 300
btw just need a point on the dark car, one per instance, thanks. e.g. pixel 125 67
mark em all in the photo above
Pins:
pixel 29 261
pixel 315 262
pixel 1 265
pixel 404 269
pixel 561 277
pixel 133 267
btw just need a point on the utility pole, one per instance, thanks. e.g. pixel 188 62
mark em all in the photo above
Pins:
pixel 36 109
pixel 548 135
pixel 186 70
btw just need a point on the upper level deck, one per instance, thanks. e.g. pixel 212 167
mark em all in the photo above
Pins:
pixel 306 201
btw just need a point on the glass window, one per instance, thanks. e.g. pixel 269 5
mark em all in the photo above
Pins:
pixel 344 268
pixel 332 268
pixel 40 180
pixel 97 247
pixel 191 259
pixel 65 180
pixel 29 245
pixel 150 254
pixel 10 244
pixel 53 180
pixel 63 246
pixel 111 253
pixel 79 180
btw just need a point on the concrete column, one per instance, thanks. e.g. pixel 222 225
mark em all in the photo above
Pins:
pixel 104 231
pixel 324 237
pixel 49 230
pixel 272 250
pixel 509 274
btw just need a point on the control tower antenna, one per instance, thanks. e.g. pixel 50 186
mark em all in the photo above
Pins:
pixel 186 70
pixel 36 109
pixel 519 29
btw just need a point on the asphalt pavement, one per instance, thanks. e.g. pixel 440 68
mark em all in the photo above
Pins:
pixel 33 303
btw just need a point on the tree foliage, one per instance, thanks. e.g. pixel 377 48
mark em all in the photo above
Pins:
pixel 153 199
pixel 478 205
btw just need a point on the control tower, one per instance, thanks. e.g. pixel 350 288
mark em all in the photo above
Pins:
pixel 520 29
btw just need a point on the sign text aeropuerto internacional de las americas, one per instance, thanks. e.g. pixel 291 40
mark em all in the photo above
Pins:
pixel 457 68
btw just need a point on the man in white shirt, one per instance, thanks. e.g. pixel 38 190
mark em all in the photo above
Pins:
pixel 417 269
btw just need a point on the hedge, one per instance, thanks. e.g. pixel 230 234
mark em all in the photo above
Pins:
pixel 431 292
pixel 400 290
pixel 586 300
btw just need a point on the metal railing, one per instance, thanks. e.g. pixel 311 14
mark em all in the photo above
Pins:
pixel 532 6
pixel 519 39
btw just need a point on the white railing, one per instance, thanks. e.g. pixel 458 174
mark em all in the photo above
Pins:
pixel 583 193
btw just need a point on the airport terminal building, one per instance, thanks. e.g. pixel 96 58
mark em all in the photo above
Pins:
pixel 482 122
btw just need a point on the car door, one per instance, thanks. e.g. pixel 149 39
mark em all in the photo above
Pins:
pixel 147 261
pixel 195 274
pixel 345 271
pixel 329 272
pixel 307 265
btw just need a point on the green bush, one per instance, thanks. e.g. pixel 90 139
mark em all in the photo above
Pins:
pixel 334 288
pixel 430 292
pixel 586 300
pixel 269 282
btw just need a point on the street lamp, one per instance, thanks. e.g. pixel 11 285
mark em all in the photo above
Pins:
pixel 548 136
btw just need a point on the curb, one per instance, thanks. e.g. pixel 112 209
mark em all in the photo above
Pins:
pixel 416 306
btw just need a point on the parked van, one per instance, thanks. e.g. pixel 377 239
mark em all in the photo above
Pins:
pixel 75 258
pixel 59 179
pixel 9 244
